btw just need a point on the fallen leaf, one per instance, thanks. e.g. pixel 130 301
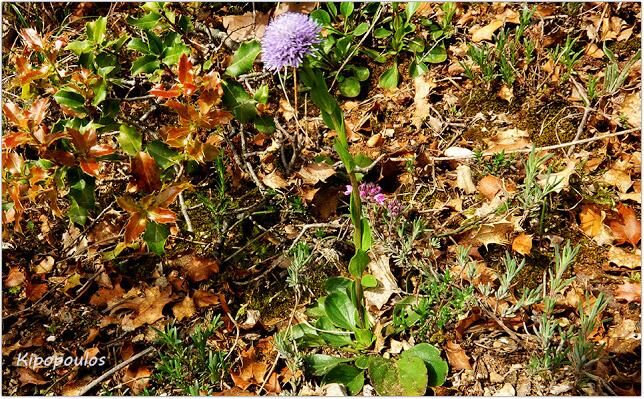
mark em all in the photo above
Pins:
pixel 14 278
pixel 27 376
pixel 204 298
pixel 489 185
pixel 508 139
pixel 422 87
pixel 592 218
pixel 624 337
pixel 464 179
pixel 629 228
pixel 486 32
pixel 45 266
pixel 505 93
pixel 137 378
pixel 184 309
pixel 630 292
pixel 618 176
pixel 316 172
pixel 34 292
pixel 245 26
pixel 387 285
pixel 250 372
pixel 456 356
pixel 106 296
pixel 147 309
pixel 274 180
pixel 631 109
pixel 622 258
pixel 197 268
pixel 522 244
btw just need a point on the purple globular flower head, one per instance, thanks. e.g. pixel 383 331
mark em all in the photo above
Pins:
pixel 288 39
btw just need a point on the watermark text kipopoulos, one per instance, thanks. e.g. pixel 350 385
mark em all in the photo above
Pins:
pixel 32 361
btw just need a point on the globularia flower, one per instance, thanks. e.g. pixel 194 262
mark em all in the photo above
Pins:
pixel 288 39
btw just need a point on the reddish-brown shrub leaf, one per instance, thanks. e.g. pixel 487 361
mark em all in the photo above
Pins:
pixel 146 172
pixel 135 227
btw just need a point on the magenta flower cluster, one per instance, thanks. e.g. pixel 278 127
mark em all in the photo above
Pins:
pixel 288 39
pixel 369 192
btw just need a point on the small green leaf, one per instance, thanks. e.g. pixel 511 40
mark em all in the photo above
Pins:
pixel 413 376
pixel 361 29
pixel 154 43
pixel 411 9
pixel 436 367
pixel 321 17
pixel 130 140
pixel 406 377
pixel 366 235
pixel 148 21
pixel 265 124
pixel 319 364
pixel 369 281
pixel 71 99
pixel 145 64
pixel 417 68
pixel 341 310
pixel 244 58
pixel 436 55
pixel 96 30
pixel 337 284
pixel 358 263
pixel 79 47
pixel 349 376
pixel 261 94
pixel 100 92
pixel 172 54
pixel 362 73
pixel 389 78
pixel 239 101
pixel 346 8
pixel 163 155
pixel 155 236
pixel 381 33
pixel 333 335
pixel 350 87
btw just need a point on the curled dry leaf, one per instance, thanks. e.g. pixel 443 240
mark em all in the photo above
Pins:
pixel 315 172
pixel 197 268
pixel 632 109
pixel 245 26
pixel 591 223
pixel 14 278
pixel 630 292
pixel 628 227
pixel 147 309
pixel 274 180
pixel 464 179
pixel 622 258
pixel 387 284
pixel 508 139
pixel 107 296
pixel 486 32
pixel 184 309
pixel 27 376
pixel 456 356
pixel 204 298
pixel 422 87
pixel 489 186
pixel 137 378
pixel 251 371
pixel 522 244
pixel 618 176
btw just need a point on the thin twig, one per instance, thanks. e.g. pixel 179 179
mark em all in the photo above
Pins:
pixel 113 370
pixel 184 212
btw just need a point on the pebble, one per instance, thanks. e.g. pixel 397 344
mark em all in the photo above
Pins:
pixel 506 390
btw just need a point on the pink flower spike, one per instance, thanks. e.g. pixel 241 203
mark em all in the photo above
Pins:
pixel 348 189
pixel 379 198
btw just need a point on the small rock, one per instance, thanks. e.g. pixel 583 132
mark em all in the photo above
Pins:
pixel 334 390
pixel 506 390
pixel 496 378
pixel 368 390
pixel 560 388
